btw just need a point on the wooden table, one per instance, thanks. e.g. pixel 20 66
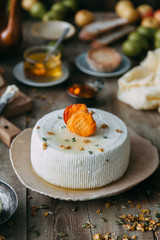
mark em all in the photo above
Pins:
pixel 64 218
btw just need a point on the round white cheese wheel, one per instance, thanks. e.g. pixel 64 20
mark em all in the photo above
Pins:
pixel 66 159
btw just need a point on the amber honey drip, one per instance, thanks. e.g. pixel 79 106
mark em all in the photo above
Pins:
pixel 83 91
pixel 41 71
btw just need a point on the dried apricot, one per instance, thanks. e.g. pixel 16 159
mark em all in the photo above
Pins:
pixel 70 110
pixel 82 123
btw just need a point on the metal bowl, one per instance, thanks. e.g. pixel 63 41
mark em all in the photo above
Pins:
pixel 9 201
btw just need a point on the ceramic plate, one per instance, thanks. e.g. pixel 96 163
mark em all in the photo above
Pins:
pixel 82 65
pixel 144 161
pixel 18 73
pixel 52 30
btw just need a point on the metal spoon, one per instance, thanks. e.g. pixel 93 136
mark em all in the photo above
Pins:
pixel 66 30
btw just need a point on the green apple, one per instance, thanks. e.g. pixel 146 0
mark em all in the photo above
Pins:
pixel 132 48
pixel 58 7
pixel 37 10
pixel 136 36
pixel 157 43
pixel 147 32
pixel 52 15
pixel 157 35
pixel 70 5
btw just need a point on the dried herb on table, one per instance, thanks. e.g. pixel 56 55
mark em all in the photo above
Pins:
pixel 43 206
pixel 102 219
pixel 157 215
pixel 62 234
pixel 37 234
pixel 86 225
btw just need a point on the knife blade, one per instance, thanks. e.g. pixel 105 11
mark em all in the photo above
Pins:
pixel 7 95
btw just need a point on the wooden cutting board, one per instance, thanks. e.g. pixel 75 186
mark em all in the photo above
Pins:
pixel 18 105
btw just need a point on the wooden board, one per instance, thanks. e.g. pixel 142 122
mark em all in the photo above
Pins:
pixel 7 131
pixel 18 105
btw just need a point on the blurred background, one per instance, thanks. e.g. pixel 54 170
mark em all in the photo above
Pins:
pixel 105 5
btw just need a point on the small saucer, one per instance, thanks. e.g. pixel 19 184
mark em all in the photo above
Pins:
pixel 52 30
pixel 18 73
pixel 140 167
pixel 9 201
pixel 82 65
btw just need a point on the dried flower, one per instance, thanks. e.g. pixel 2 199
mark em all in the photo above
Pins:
pixel 98 211
pixel 50 133
pixel 45 214
pixel 101 149
pixel 65 147
pixel 108 204
pixel 81 148
pixel 118 131
pixel 104 126
pixel 145 211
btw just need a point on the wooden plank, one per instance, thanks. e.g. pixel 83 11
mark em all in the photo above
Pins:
pixel 62 218
pixel 16 227
pixel 117 209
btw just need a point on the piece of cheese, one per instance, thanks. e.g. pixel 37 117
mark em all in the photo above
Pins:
pixel 88 162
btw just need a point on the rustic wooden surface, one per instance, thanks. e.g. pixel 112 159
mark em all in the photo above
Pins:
pixel 63 219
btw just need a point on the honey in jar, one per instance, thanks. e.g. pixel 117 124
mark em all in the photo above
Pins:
pixel 39 70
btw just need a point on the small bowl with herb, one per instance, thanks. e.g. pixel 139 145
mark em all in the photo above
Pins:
pixel 85 93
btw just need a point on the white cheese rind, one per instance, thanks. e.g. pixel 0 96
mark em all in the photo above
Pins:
pixel 77 169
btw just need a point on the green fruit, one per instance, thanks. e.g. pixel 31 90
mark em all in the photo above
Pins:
pixel 71 5
pixel 37 10
pixel 157 43
pixel 60 47
pixel 136 36
pixel 58 7
pixel 132 48
pixel 147 32
pixel 157 35
pixel 51 15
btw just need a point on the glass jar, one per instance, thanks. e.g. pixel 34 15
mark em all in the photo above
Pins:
pixel 39 70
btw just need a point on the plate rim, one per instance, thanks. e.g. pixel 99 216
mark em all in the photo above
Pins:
pixel 102 74
pixel 36 34
pixel 31 83
pixel 81 198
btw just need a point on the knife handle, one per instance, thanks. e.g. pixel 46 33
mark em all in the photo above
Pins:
pixel 7 131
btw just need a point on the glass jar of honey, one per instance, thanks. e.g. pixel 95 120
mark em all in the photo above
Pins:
pixel 39 70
